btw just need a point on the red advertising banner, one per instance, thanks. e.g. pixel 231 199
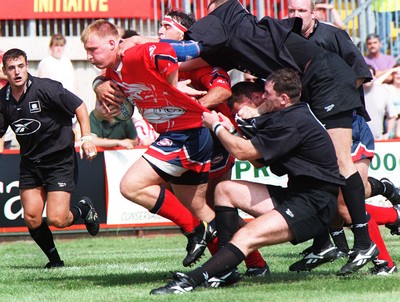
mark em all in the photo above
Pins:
pixel 69 9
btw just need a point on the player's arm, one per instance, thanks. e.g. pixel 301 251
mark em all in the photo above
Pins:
pixel 133 41
pixel 219 92
pixel 239 147
pixel 107 92
pixel 126 143
pixel 88 147
pixel 185 50
pixel 165 62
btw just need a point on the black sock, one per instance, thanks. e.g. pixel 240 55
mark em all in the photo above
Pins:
pixel 82 210
pixel 377 187
pixel 353 194
pixel 213 224
pixel 76 213
pixel 339 238
pixel 227 258
pixel 44 239
pixel 227 222
pixel 322 241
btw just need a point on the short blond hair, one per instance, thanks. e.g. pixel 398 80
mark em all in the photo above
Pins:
pixel 102 28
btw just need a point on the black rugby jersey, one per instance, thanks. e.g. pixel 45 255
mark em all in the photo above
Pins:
pixel 41 119
pixel 231 37
pixel 338 41
pixel 293 142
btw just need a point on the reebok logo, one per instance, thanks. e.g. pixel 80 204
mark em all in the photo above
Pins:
pixel 289 213
pixel 26 126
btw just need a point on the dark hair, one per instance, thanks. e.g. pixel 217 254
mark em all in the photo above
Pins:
pixel 244 89
pixel 129 33
pixel 373 36
pixel 182 18
pixel 286 81
pixel 57 38
pixel 14 53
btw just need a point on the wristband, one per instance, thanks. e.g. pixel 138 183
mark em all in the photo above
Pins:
pixel 233 131
pixel 215 126
pixel 86 139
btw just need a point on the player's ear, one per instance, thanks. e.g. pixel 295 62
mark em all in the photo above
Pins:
pixel 285 99
pixel 113 43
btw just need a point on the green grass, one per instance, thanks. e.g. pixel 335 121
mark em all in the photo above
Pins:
pixel 126 269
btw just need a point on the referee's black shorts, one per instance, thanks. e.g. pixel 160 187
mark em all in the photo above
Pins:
pixel 307 210
pixel 57 171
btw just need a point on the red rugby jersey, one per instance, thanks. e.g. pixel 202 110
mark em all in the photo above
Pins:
pixel 142 75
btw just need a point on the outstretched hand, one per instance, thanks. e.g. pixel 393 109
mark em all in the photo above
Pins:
pixel 183 86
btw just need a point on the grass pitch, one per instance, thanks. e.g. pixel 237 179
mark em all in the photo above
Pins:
pixel 126 269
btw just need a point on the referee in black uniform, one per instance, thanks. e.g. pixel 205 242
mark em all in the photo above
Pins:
pixel 40 112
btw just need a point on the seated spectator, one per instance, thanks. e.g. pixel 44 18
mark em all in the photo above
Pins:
pixel 108 132
pixel 392 80
pixel 379 61
pixel 380 108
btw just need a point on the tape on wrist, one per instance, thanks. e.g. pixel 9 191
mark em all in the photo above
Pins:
pixel 233 131
pixel 86 139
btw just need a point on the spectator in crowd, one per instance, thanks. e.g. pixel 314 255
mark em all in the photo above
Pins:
pixel 43 109
pixel 57 66
pixel 387 11
pixel 327 13
pixel 110 132
pixel 381 109
pixel 290 140
pixel 390 80
pixel 379 61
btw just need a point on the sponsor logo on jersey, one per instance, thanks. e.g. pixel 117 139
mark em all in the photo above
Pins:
pixel 165 142
pixel 26 126
pixel 289 213
pixel 217 159
pixel 329 108
pixel 163 114
pixel 34 107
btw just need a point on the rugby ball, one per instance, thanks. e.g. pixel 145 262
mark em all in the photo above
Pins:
pixel 125 111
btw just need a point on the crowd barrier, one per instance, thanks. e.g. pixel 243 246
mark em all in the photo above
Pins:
pixel 99 179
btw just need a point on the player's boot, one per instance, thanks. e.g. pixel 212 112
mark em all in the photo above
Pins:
pixel 358 258
pixel 54 264
pixel 257 271
pixel 181 284
pixel 395 227
pixel 197 242
pixel 225 279
pixel 394 197
pixel 92 218
pixel 381 268
pixel 315 258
